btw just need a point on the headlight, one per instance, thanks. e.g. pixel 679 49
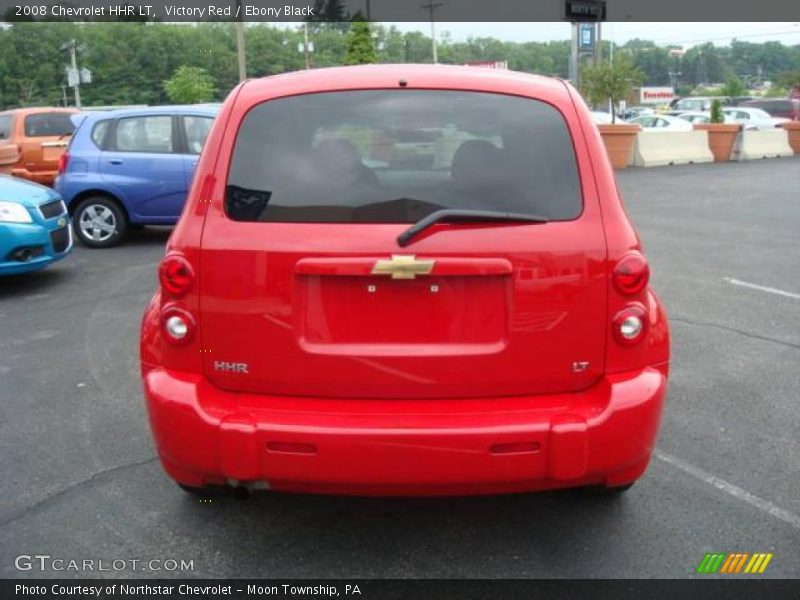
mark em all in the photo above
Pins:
pixel 14 212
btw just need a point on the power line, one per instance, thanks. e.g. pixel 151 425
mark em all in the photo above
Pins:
pixel 740 35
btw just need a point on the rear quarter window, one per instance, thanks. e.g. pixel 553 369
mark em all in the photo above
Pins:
pixel 5 127
pixel 48 124
pixel 397 156
pixel 99 134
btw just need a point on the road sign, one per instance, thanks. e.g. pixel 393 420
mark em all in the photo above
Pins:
pixel 73 77
pixel 656 95
pixel 584 10
pixel 86 75
pixel 586 33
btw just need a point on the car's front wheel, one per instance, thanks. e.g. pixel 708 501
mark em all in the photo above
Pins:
pixel 99 222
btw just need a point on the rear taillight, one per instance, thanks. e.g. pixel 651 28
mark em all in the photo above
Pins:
pixel 631 274
pixel 630 324
pixel 63 162
pixel 176 275
pixel 177 324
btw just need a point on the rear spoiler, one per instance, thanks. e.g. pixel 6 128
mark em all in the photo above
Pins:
pixel 77 119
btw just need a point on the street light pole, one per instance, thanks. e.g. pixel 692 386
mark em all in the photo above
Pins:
pixel 598 42
pixel 305 45
pixel 240 50
pixel 432 6
pixel 573 55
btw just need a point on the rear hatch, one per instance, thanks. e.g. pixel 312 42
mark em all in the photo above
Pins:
pixel 304 289
pixel 9 151
pixel 47 135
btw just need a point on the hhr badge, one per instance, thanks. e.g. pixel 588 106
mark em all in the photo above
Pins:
pixel 403 266
pixel 230 367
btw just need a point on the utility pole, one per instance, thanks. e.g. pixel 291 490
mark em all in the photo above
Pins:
pixel 369 12
pixel 431 6
pixel 72 47
pixel 240 50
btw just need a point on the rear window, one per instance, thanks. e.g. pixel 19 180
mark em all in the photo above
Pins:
pixel 48 124
pixel 397 156
pixel 5 127
pixel 692 104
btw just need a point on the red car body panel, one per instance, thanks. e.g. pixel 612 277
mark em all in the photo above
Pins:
pixel 461 381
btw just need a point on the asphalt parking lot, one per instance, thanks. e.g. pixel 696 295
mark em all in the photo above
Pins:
pixel 80 479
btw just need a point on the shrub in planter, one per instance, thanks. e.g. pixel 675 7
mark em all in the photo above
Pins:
pixel 721 135
pixel 793 129
pixel 613 82
pixel 619 139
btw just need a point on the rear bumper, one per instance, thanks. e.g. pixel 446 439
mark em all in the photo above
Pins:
pixel 603 435
pixel 43 177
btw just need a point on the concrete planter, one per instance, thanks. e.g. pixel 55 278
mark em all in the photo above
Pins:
pixel 721 138
pixel 618 139
pixel 793 129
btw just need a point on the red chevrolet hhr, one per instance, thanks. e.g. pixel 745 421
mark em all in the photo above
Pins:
pixel 404 280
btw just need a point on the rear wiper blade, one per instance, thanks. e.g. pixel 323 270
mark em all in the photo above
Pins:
pixel 454 215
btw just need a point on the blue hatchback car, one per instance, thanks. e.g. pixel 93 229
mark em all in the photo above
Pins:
pixel 34 226
pixel 131 167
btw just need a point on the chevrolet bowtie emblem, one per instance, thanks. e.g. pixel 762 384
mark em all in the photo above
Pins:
pixel 403 266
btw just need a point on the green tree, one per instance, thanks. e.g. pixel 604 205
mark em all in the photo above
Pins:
pixel 360 50
pixel 733 87
pixel 790 79
pixel 610 81
pixel 777 91
pixel 190 85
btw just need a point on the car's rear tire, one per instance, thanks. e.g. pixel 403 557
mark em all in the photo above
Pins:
pixel 603 490
pixel 216 491
pixel 99 222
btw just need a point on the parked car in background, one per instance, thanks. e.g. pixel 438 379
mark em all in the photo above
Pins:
pixel 785 108
pixel 752 118
pixel 34 226
pixel 697 103
pixel 694 116
pixel 604 118
pixel 637 111
pixel 32 140
pixel 131 167
pixel 662 123
pixel 477 323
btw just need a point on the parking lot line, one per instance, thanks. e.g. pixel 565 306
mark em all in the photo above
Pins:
pixel 762 288
pixel 730 489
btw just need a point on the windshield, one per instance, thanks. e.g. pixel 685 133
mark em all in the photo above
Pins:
pixel 397 156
